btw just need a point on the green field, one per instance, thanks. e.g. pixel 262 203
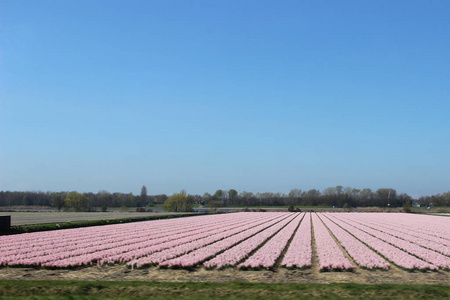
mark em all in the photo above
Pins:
pixel 188 290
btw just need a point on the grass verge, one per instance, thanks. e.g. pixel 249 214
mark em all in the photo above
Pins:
pixel 10 289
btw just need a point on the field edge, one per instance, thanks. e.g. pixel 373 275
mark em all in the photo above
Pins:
pixel 40 289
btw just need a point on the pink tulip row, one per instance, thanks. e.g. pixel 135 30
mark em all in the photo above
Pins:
pixel 154 254
pixel 421 239
pixel 116 237
pixel 299 252
pixel 360 253
pixel 428 255
pixel 246 242
pixel 224 240
pixel 330 255
pixel 73 239
pixel 433 228
pixel 81 235
pixel 267 255
pixel 246 230
pixel 34 255
pixel 127 252
pixel 390 252
pixel 438 226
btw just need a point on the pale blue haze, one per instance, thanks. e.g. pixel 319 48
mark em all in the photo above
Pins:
pixel 201 95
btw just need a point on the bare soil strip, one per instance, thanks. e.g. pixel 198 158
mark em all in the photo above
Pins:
pixel 282 275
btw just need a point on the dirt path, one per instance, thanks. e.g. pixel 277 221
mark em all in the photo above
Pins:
pixel 122 273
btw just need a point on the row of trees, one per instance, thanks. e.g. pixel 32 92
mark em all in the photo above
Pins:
pixel 101 199
pixel 333 196
pixel 435 200
pixel 338 196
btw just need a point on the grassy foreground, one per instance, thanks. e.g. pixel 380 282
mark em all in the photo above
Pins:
pixel 11 289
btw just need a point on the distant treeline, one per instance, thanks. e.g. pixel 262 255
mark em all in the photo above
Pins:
pixel 338 196
pixel 100 199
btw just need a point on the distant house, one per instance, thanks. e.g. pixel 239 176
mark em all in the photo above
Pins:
pixel 415 203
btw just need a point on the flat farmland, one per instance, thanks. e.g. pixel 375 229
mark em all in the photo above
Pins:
pixel 32 218
pixel 250 246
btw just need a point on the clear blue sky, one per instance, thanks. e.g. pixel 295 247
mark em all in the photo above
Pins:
pixel 201 95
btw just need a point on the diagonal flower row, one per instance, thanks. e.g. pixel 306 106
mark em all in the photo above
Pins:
pixel 74 239
pixel 390 252
pixel 428 255
pixel 85 250
pixel 330 255
pixel 299 252
pixel 360 253
pixel 267 255
pixel 156 257
pixel 432 228
pixel 131 251
pixel 410 234
pixel 244 240
pixel 245 243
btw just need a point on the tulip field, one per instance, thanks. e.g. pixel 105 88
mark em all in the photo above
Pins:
pixel 244 240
